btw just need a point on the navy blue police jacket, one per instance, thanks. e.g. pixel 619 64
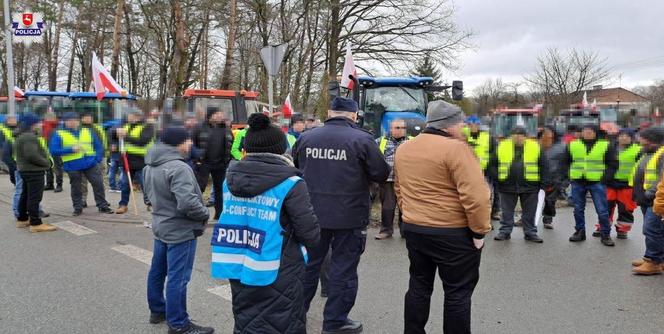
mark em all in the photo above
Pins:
pixel 338 162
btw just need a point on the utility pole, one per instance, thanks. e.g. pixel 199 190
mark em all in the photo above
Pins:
pixel 10 61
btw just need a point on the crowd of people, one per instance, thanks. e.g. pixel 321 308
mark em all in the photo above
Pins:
pixel 292 208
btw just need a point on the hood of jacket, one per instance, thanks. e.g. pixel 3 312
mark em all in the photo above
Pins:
pixel 161 154
pixel 257 173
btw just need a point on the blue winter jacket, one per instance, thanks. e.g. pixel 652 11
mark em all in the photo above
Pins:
pixel 87 162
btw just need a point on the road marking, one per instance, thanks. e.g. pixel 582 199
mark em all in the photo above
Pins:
pixel 135 253
pixel 73 228
pixel 223 291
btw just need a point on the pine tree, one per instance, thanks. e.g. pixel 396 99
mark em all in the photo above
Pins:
pixel 426 67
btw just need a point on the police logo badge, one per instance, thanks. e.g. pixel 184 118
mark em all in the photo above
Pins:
pixel 28 27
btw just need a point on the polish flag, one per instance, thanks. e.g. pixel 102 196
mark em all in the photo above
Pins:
pixel 287 107
pixel 18 92
pixel 349 69
pixel 104 82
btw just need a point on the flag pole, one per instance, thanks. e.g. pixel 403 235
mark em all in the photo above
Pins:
pixel 11 100
pixel 125 161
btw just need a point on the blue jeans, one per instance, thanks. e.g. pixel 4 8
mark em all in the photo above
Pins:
pixel 17 193
pixel 136 176
pixel 176 262
pixel 113 170
pixel 653 228
pixel 598 194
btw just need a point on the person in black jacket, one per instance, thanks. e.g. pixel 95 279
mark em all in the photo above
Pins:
pixel 277 308
pixel 519 180
pixel 213 140
pixel 339 161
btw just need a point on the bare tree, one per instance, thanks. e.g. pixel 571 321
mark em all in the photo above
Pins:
pixel 560 74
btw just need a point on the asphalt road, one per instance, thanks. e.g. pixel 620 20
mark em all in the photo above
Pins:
pixel 93 281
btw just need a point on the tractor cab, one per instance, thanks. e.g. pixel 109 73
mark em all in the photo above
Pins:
pixel 504 120
pixel 110 108
pixel 236 105
pixel 41 102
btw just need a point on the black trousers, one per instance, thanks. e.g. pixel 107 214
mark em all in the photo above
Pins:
pixel 346 247
pixel 550 204
pixel 388 201
pixel 458 262
pixel 54 174
pixel 94 177
pixel 33 190
pixel 203 173
pixel 529 209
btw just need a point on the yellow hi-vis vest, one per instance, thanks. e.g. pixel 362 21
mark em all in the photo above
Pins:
pixel 531 153
pixel 651 175
pixel 44 146
pixel 588 165
pixel 627 160
pixel 84 142
pixel 7 132
pixel 383 143
pixel 135 133
pixel 480 147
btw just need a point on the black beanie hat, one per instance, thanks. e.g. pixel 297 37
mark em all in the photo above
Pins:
pixel 174 135
pixel 263 137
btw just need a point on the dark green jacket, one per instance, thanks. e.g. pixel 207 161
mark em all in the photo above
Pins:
pixel 30 156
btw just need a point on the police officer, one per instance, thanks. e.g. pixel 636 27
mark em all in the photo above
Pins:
pixel 138 138
pixel 81 152
pixel 521 172
pixel 338 162
pixel 591 162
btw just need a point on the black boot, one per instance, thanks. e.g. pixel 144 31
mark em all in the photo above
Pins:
pixel 579 235
pixel 606 240
pixel 49 187
pixel 58 188
pixel 502 236
pixel 157 318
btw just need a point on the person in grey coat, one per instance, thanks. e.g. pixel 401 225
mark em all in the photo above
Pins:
pixel 178 218
pixel 554 151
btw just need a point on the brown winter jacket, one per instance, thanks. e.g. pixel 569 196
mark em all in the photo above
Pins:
pixel 439 184
pixel 658 204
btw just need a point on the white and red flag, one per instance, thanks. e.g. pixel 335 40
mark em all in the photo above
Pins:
pixel 287 107
pixel 349 69
pixel 104 82
pixel 18 92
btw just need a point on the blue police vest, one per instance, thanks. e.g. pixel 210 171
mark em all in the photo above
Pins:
pixel 248 239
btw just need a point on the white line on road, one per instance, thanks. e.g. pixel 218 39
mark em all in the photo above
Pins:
pixel 135 253
pixel 73 228
pixel 223 291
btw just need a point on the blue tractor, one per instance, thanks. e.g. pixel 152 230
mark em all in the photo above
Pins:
pixel 382 100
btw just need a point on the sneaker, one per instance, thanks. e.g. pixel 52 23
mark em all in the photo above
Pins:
pixel 43 227
pixel 621 235
pixel 534 238
pixel 607 241
pixel 77 212
pixel 191 329
pixel 579 235
pixel 115 191
pixel 58 189
pixel 351 327
pixel 596 233
pixel 121 209
pixel 22 223
pixel 106 210
pixel 502 236
pixel 382 236
pixel 548 226
pixel 157 318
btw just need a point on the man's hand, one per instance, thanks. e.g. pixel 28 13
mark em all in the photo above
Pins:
pixel 479 243
pixel 121 132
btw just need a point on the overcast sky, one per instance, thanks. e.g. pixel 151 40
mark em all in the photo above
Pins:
pixel 511 33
